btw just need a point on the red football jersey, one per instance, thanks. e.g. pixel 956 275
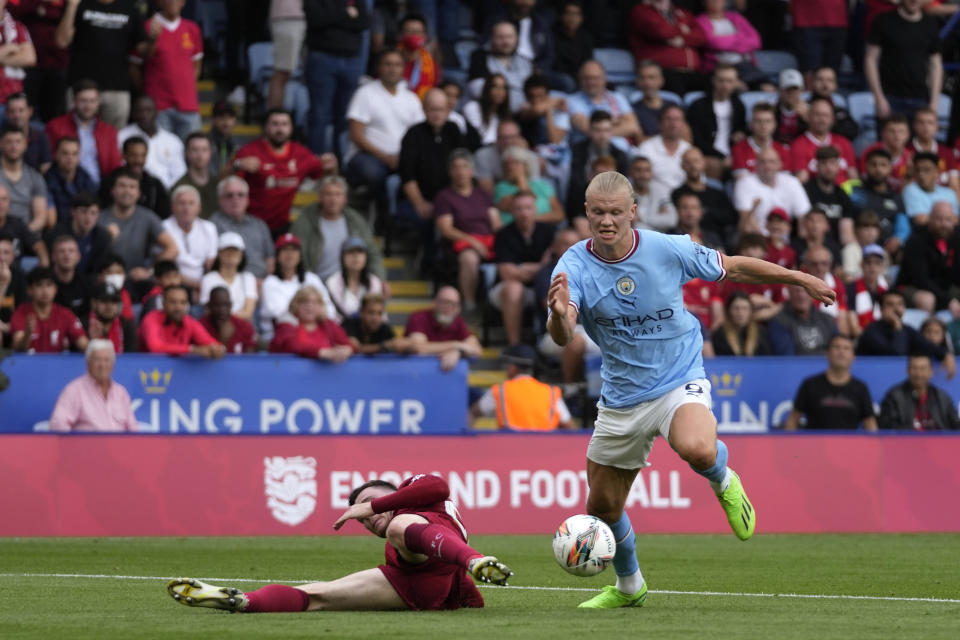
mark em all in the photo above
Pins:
pixel 168 75
pixel 899 169
pixel 744 156
pixel 56 333
pixel 948 158
pixel 819 13
pixel 804 150
pixel 784 256
pixel 274 186
pixel 698 295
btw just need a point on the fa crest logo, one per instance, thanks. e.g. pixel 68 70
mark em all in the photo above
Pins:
pixel 626 286
pixel 290 485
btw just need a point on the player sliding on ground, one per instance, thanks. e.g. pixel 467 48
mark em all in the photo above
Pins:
pixel 428 562
pixel 625 286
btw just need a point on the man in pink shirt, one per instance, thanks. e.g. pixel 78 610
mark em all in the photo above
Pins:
pixel 94 401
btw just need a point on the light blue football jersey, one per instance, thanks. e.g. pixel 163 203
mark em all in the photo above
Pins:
pixel 633 309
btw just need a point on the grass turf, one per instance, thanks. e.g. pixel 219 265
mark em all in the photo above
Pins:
pixel 904 566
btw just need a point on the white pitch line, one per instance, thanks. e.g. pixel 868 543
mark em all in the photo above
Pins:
pixel 727 594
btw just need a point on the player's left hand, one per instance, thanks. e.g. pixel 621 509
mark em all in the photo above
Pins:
pixel 819 290
pixel 355 512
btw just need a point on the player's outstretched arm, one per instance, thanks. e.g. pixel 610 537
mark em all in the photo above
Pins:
pixel 563 316
pixel 756 271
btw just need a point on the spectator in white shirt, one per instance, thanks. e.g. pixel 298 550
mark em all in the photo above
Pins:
pixel 195 238
pixel 380 112
pixel 755 194
pixel 279 288
pixel 655 210
pixel 665 151
pixel 228 271
pixel 165 158
pixel 354 280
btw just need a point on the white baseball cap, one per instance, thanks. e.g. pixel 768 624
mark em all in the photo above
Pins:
pixel 791 78
pixel 231 240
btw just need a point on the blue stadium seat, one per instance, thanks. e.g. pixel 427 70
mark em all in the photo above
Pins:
pixel 839 100
pixel 943 117
pixel 692 96
pixel 260 63
pixel 618 64
pixel 750 98
pixel 668 96
pixel 773 62
pixel 464 49
pixel 863 110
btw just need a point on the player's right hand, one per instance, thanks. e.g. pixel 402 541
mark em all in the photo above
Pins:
pixel 820 290
pixel 357 511
pixel 558 297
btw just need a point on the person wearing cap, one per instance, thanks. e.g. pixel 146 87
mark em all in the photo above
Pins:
pixel 280 287
pixel 104 321
pixel 866 231
pixel 94 401
pixel 804 147
pixel 522 402
pixel 779 250
pixel 903 64
pixel 274 166
pixel 198 150
pixel 172 331
pixel 353 281
pixel 164 149
pixel 864 292
pixel 323 227
pixel 136 230
pixel 236 334
pixel 229 271
pixel 791 110
pixel 233 194
pixel 221 137
pixel 755 194
pixel 824 193
pixel 196 239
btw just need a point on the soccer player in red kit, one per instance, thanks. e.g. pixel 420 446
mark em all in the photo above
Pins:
pixel 274 166
pixel 428 566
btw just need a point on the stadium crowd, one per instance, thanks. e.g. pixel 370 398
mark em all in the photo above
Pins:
pixel 122 220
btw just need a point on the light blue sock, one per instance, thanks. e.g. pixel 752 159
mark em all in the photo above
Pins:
pixel 625 559
pixel 718 472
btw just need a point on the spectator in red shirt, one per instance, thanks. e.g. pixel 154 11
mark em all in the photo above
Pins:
pixel 314 335
pixel 925 128
pixel 792 111
pixel 171 65
pixel 763 123
pixel 41 325
pixel 173 332
pixel 442 331
pixel 18 53
pixel 274 166
pixel 671 37
pixel 820 28
pixel 894 136
pixel 85 125
pixel 46 84
pixel 779 250
pixel 233 332
pixel 804 147
pixel 765 298
pixel 819 262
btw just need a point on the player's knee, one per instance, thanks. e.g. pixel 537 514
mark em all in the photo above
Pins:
pixel 699 452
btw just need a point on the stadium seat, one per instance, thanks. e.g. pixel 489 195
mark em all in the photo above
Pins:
pixel 260 64
pixel 773 62
pixel 863 110
pixel 212 19
pixel 618 64
pixel 839 100
pixel 750 98
pixel 668 96
pixel 465 49
pixel 943 117
pixel 915 317
pixel 690 97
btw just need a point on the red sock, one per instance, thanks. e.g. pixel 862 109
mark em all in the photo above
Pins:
pixel 276 598
pixel 438 542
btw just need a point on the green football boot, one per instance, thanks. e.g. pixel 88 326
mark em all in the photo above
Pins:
pixel 740 513
pixel 613 598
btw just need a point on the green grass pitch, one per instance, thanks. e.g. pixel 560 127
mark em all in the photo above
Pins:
pixel 912 583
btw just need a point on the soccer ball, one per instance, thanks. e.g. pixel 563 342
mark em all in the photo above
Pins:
pixel 584 545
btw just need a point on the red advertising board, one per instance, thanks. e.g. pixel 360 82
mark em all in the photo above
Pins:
pixel 130 485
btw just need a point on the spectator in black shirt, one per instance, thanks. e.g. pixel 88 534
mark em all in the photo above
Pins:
pixel 93 241
pixel 13 289
pixel 221 137
pixel 930 272
pixel 689 218
pixel 583 153
pixel 825 85
pixel 719 216
pixel 800 329
pixel 824 194
pixel 66 178
pixel 833 399
pixel 874 194
pixel 369 332
pixel 917 405
pixel 520 249
pixel 718 111
pixel 25 240
pixel 19 113
pixel 903 65
pixel 105 321
pixel 153 195
pixel 572 45
pixel 889 336
pixel 73 286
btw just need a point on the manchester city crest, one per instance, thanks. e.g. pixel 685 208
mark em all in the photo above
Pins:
pixel 626 286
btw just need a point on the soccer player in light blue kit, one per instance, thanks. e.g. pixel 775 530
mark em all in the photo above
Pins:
pixel 625 286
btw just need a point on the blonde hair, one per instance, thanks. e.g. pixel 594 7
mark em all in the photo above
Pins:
pixel 609 183
pixel 302 293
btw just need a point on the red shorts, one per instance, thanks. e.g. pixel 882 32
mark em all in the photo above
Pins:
pixel 487 241
pixel 432 585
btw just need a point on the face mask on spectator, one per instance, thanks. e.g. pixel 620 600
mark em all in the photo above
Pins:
pixel 115 279
pixel 413 42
